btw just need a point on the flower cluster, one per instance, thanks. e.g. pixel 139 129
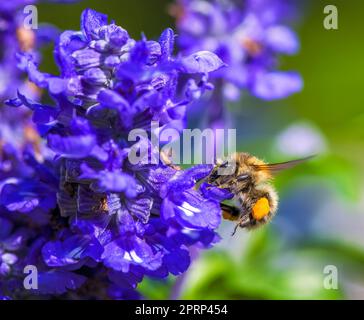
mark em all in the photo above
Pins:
pixel 94 210
pixel 248 36
pixel 16 128
pixel 23 157
pixel 16 36
pixel 102 221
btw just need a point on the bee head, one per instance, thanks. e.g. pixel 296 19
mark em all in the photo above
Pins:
pixel 222 173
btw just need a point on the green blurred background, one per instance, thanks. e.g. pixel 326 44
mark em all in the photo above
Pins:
pixel 320 222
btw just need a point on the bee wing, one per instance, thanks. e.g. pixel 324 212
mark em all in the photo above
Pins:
pixel 277 167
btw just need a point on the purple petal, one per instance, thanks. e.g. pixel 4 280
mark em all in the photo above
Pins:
pixel 177 261
pixel 73 146
pixel 202 62
pixel 140 208
pixel 186 179
pixel 56 85
pixel 42 113
pixel 28 64
pixel 9 258
pixel 86 58
pixel 17 197
pixel 120 254
pixel 5 228
pixel 214 193
pixel 58 281
pixel 17 240
pixel 71 251
pixel 92 21
pixel 155 51
pixel 166 41
pixel 117 181
pixel 126 280
pixel 47 33
pixel 112 99
pixel 191 210
pixel 277 85
pixel 281 39
pixel 114 35
pixel 96 76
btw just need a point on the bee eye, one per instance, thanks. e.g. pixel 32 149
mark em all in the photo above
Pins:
pixel 243 177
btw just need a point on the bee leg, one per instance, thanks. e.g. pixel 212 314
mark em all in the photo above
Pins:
pixel 242 223
pixel 234 231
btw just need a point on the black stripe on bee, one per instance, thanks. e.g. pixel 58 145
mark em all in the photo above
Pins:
pixel 230 212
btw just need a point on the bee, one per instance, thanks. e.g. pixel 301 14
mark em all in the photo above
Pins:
pixel 249 180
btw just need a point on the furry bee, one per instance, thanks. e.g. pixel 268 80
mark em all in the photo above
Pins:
pixel 249 180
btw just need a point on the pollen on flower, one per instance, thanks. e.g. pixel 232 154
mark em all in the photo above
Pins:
pixel 26 38
pixel 176 10
pixel 261 209
pixel 251 46
pixel 33 88
pixel 32 136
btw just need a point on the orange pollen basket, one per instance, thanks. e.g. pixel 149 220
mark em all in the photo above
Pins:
pixel 261 209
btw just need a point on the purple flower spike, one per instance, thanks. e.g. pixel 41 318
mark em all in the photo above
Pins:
pixel 117 219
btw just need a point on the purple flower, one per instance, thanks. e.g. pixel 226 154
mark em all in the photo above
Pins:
pixel 248 37
pixel 10 242
pixel 119 218
pixel 15 37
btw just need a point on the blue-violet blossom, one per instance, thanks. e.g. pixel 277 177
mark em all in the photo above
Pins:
pixel 115 221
